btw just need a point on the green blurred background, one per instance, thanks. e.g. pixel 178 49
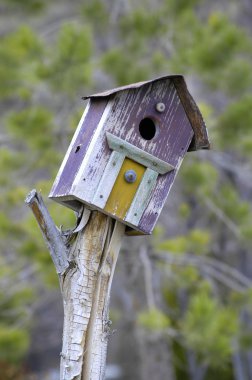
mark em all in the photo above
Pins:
pixel 182 299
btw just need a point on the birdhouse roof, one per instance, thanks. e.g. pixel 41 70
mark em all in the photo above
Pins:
pixel 200 140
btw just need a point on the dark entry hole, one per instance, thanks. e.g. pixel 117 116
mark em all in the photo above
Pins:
pixel 147 128
pixel 77 148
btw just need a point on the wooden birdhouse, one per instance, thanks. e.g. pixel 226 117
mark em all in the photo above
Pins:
pixel 128 148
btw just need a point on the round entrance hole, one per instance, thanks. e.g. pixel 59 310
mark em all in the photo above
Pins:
pixel 147 128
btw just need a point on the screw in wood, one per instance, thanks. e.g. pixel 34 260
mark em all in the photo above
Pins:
pixel 130 176
pixel 160 107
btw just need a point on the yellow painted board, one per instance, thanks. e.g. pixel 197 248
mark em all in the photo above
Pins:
pixel 123 192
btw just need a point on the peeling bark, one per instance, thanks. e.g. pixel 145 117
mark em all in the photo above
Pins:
pixel 85 280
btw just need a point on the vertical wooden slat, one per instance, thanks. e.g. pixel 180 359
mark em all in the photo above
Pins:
pixel 108 179
pixel 142 197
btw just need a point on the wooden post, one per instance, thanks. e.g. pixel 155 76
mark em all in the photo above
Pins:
pixel 85 260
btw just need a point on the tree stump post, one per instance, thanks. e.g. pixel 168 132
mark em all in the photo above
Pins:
pixel 85 260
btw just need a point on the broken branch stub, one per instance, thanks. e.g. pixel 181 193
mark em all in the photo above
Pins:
pixel 50 232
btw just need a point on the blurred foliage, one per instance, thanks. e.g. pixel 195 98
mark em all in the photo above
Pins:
pixel 19 55
pixel 199 177
pixel 26 6
pixel 154 320
pixel 97 12
pixel 196 241
pixel 209 329
pixel 14 342
pixel 43 69
pixel 29 122
pixel 10 371
pixel 68 64
pixel 16 296
pixel 233 125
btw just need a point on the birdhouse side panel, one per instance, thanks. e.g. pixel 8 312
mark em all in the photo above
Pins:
pixel 135 112
pixel 78 148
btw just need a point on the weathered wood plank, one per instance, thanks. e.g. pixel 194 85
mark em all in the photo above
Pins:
pixel 142 197
pixel 130 107
pixel 123 192
pixel 108 179
pixel 78 148
pixel 159 196
pixel 138 155
pixel 94 163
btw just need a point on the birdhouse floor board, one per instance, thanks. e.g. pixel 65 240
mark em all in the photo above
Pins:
pixel 123 192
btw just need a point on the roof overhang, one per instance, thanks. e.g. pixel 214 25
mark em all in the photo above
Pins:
pixel 200 139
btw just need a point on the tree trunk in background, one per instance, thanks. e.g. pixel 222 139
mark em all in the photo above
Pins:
pixel 155 356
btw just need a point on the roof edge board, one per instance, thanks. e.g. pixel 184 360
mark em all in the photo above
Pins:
pixel 130 86
pixel 200 139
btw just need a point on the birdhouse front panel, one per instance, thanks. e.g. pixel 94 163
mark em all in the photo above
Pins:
pixel 126 152
pixel 137 119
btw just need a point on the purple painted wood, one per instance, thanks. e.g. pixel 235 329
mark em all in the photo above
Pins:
pixel 200 139
pixel 79 149
pixel 129 107
pixel 132 106
pixel 94 169
pixel 162 189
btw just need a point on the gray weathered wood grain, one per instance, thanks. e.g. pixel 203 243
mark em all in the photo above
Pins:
pixel 108 179
pixel 142 197
pixel 138 155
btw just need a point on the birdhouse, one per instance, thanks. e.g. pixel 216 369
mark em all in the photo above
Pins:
pixel 127 150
